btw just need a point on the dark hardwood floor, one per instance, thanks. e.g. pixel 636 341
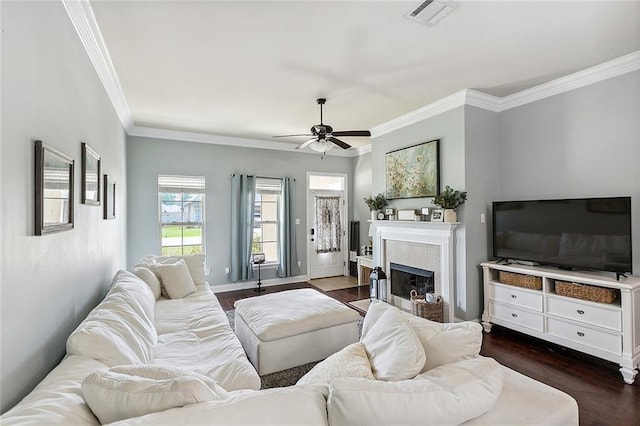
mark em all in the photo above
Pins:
pixel 603 397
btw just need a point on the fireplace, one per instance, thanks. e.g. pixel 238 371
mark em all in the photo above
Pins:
pixel 405 278
pixel 429 246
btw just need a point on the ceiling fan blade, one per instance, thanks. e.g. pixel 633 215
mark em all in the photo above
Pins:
pixel 338 142
pixel 352 133
pixel 288 136
pixel 306 144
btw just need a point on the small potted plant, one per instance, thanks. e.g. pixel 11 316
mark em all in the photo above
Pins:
pixel 375 203
pixel 450 199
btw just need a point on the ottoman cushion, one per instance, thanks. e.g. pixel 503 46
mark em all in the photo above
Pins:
pixel 289 313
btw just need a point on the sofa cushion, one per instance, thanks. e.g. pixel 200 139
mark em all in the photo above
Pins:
pixel 450 394
pixel 176 279
pixel 195 264
pixel 151 279
pixel 131 391
pixel 120 329
pixel 393 348
pixel 446 343
pixel 290 406
pixel 351 361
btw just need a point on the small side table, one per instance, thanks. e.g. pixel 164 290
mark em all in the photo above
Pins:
pixel 364 262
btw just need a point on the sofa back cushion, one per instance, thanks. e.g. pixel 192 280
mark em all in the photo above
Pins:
pixel 130 391
pixel 120 329
pixel 450 394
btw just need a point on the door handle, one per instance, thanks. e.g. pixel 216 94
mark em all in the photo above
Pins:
pixel 313 232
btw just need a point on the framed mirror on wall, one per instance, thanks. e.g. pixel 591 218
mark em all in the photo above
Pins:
pixel 109 198
pixel 90 176
pixel 53 190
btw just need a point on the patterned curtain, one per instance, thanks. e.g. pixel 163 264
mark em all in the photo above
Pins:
pixel 328 230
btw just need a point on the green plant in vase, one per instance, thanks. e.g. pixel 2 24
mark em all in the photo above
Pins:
pixel 375 203
pixel 450 199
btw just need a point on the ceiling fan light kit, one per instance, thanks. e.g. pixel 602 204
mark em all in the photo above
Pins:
pixel 323 138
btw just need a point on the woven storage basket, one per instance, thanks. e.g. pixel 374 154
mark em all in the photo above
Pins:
pixel 421 308
pixel 520 280
pixel 586 292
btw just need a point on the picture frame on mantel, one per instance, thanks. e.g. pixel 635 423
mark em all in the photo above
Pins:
pixel 109 198
pixel 54 190
pixel 90 176
pixel 414 171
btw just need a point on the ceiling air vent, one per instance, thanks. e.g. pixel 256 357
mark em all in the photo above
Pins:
pixel 430 12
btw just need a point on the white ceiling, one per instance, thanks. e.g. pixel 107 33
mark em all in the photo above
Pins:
pixel 254 69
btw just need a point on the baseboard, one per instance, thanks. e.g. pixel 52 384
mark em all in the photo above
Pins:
pixel 252 284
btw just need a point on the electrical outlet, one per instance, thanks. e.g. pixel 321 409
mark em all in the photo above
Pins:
pixel 226 270
pixel 299 263
pixel 297 221
pixel 483 218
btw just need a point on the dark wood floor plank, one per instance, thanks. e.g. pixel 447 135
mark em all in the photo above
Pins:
pixel 603 397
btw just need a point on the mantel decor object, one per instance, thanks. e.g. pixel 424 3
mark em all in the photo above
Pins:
pixel 450 199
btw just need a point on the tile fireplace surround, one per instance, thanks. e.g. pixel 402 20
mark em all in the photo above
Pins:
pixel 424 245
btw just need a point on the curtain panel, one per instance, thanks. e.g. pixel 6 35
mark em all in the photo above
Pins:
pixel 288 251
pixel 243 195
pixel 328 229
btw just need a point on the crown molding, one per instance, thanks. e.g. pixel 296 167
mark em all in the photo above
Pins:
pixel 177 135
pixel 595 74
pixel 482 100
pixel 84 21
pixel 435 108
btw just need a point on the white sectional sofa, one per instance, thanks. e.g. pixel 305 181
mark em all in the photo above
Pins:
pixel 448 383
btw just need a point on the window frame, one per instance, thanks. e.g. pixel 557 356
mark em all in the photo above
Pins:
pixel 177 189
pixel 278 193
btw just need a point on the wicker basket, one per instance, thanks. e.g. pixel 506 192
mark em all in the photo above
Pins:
pixel 520 280
pixel 421 308
pixel 586 292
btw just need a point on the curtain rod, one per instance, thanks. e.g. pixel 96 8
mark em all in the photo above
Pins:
pixel 265 177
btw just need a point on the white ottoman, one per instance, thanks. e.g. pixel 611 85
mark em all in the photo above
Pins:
pixel 283 330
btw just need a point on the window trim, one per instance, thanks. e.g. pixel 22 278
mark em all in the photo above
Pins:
pixel 278 192
pixel 181 190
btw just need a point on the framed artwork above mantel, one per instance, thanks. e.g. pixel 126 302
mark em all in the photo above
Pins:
pixel 414 171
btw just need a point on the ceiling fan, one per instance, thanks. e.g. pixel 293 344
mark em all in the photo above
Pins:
pixel 323 137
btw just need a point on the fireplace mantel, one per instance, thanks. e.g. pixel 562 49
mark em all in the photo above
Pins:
pixel 439 234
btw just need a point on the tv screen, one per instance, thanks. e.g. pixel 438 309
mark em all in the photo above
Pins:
pixel 586 233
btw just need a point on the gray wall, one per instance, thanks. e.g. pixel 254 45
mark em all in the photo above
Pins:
pixel 361 190
pixel 147 158
pixel 481 182
pixel 449 127
pixel 51 92
pixel 583 143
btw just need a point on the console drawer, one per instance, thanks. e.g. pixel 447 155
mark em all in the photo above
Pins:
pixel 514 296
pixel 608 342
pixel 587 313
pixel 515 315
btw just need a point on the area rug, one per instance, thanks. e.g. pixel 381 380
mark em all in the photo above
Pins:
pixel 334 283
pixel 286 377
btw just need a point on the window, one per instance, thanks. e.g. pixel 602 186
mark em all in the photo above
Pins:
pixel 181 200
pixel 266 220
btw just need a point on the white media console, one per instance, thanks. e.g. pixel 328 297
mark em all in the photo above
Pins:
pixel 608 331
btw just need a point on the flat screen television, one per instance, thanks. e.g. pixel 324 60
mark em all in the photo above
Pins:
pixel 584 233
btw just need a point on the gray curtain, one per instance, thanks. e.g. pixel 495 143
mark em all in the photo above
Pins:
pixel 243 195
pixel 288 252
pixel 328 229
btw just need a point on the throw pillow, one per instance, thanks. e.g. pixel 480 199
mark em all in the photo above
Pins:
pixel 352 361
pixel 130 391
pixel 394 350
pixel 450 394
pixel 195 264
pixel 176 279
pixel 446 343
pixel 146 275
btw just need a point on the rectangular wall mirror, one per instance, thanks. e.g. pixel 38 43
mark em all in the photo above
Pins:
pixel 53 190
pixel 90 176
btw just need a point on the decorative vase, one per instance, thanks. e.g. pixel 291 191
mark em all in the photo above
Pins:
pixel 374 214
pixel 450 215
